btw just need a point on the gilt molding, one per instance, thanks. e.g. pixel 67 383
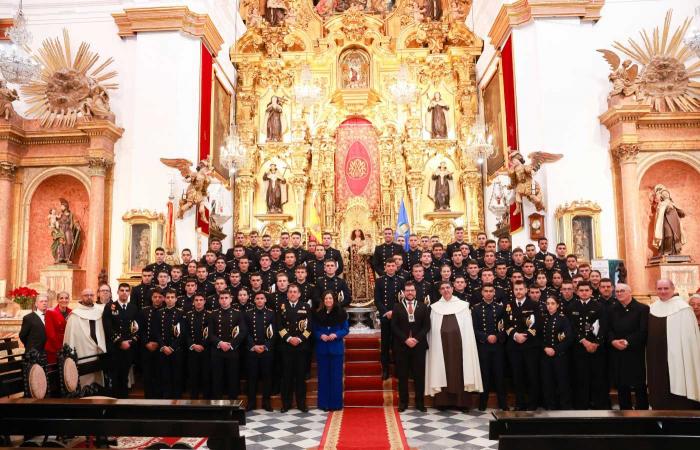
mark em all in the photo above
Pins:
pixel 524 11
pixel 170 18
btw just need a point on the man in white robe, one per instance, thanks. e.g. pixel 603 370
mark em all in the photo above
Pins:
pixel 673 352
pixel 452 361
pixel 85 333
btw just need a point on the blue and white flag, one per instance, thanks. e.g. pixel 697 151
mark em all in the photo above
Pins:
pixel 402 226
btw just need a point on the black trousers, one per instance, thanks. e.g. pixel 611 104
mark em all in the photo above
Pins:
pixel 259 369
pixel 198 374
pixel 386 342
pixel 293 377
pixel 556 384
pixel 151 375
pixel 524 362
pixel 171 374
pixel 410 361
pixel 491 362
pixel 121 364
pixel 224 372
pixel 624 396
pixel 590 388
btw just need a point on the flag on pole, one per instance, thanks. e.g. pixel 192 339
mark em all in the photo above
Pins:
pixel 315 221
pixel 402 226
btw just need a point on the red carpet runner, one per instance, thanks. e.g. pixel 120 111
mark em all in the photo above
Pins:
pixel 369 421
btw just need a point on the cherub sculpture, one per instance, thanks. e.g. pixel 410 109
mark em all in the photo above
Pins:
pixel 623 76
pixel 198 180
pixel 7 96
pixel 522 180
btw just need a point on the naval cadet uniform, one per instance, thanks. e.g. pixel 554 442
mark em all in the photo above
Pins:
pixel 557 334
pixel 198 373
pixel 169 332
pixel 487 319
pixel 262 330
pixel 226 325
pixel 386 292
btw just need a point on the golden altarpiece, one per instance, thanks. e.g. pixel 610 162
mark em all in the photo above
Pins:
pixel 395 101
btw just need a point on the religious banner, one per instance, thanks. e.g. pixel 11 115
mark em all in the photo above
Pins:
pixel 358 163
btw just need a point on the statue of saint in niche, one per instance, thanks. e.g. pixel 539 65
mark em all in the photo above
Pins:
pixel 433 9
pixel 275 12
pixel 273 114
pixel 275 190
pixel 65 232
pixel 441 187
pixel 354 68
pixel 669 237
pixel 438 119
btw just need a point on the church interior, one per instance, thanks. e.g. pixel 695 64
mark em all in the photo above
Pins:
pixel 134 132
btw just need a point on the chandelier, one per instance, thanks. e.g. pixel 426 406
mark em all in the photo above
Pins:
pixel 403 91
pixel 499 203
pixel 306 92
pixel 693 41
pixel 479 143
pixel 233 151
pixel 16 65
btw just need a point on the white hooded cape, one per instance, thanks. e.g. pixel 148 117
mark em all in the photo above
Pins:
pixel 435 376
pixel 78 336
pixel 683 341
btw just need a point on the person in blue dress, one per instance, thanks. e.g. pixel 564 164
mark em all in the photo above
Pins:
pixel 330 326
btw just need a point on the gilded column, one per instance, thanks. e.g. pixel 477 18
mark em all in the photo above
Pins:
pixel 97 169
pixel 245 184
pixel 7 176
pixel 471 183
pixel 635 253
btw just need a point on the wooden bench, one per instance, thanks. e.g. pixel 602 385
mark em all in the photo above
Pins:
pixel 7 346
pixel 596 430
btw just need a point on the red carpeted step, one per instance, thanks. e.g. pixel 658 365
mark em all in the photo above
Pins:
pixel 367 368
pixel 363 383
pixel 362 343
pixel 361 355
pixel 364 398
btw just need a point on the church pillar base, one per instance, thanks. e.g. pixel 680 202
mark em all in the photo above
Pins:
pixel 686 276
pixel 63 277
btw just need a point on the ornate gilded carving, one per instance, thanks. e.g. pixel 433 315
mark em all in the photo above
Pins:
pixel 434 70
pixel 433 34
pixel 98 166
pixel 626 153
pixel 7 96
pixel 7 170
pixel 274 74
pixel 353 24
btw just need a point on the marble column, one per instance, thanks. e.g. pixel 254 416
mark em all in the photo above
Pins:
pixel 7 176
pixel 635 249
pixel 97 168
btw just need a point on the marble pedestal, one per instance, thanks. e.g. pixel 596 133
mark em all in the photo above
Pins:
pixel 685 275
pixel 63 277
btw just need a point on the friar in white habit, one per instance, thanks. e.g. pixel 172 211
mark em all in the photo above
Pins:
pixel 452 363
pixel 86 334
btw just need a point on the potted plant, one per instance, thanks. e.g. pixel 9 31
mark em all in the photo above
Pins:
pixel 24 297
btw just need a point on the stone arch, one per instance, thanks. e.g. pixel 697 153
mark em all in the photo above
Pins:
pixel 691 159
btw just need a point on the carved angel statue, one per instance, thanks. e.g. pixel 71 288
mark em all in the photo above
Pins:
pixel 623 76
pixel 458 10
pixel 254 19
pixel 522 180
pixel 198 180
pixel 7 96
pixel 415 11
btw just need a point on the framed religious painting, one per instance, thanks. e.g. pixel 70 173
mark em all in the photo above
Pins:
pixel 578 226
pixel 221 116
pixel 494 117
pixel 143 233
pixel 354 69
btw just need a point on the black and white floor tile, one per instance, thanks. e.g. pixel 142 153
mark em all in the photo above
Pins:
pixel 293 430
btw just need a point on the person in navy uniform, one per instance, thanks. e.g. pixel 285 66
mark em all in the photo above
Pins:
pixel 590 326
pixel 410 324
pixel 121 328
pixel 262 330
pixel 331 281
pixel 422 286
pixel 330 326
pixel 149 341
pixel 412 254
pixel 332 253
pixel 557 338
pixel 385 251
pixel 293 323
pixel 186 301
pixel 141 294
pixel 194 327
pixel 386 291
pixel 487 317
pixel 176 281
pixel 169 332
pixel 203 284
pixel 522 317
pixel 227 331
pixel 160 265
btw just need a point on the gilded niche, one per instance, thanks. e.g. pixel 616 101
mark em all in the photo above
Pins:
pixel 354 69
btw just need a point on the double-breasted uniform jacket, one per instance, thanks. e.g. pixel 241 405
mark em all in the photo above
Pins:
pixel 557 333
pixel 178 286
pixel 315 267
pixel 627 367
pixel 268 278
pixel 147 324
pixel 589 321
pixel 194 324
pixel 383 253
pixel 423 289
pixel 402 328
pixel 335 284
pixel 168 325
pixel 141 295
pixel 523 319
pixel 158 267
pixel 334 254
pixel 307 290
pixel 243 308
pixel 121 323
pixel 226 325
pixel 294 322
pixel 505 255
pixel 205 288
pixel 412 258
pixel 488 319
pixel 386 292
pixel 261 327
pixel 185 302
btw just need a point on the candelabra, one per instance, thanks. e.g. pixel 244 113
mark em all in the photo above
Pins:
pixel 16 65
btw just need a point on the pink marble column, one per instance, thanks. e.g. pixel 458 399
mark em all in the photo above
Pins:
pixel 635 251
pixel 95 232
pixel 7 176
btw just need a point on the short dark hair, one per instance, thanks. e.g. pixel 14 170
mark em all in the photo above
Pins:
pixel 124 285
pixel 160 249
pixel 584 284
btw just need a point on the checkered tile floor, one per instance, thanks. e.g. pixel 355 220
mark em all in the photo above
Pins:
pixel 434 430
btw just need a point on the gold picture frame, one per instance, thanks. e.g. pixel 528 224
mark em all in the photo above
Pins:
pixel 495 120
pixel 221 115
pixel 578 226
pixel 143 233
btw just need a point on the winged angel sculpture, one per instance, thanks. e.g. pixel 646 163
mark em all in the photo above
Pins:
pixel 522 180
pixel 623 76
pixel 198 179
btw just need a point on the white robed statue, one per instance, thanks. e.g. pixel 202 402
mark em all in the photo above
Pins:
pixel 86 334
pixel 452 362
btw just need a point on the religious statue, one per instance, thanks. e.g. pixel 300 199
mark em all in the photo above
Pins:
pixel 275 190
pixel 143 256
pixel 275 11
pixel 254 19
pixel 273 119
pixel 415 11
pixel 522 180
pixel 433 9
pixel 65 232
pixel 458 11
pixel 669 237
pixel 438 119
pixel 355 69
pixel 97 102
pixel 623 76
pixel 325 7
pixel 441 187
pixel 377 6
pixel 198 180
pixel 360 273
pixel 7 96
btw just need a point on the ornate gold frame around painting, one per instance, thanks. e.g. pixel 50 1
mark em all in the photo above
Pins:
pixel 138 222
pixel 568 215
pixel 220 120
pixel 492 102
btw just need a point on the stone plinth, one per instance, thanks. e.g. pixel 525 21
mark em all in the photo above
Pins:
pixel 442 215
pixel 63 277
pixel 686 276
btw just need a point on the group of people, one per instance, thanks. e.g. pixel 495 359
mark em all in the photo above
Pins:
pixel 458 319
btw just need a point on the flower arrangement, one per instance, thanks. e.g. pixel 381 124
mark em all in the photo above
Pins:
pixel 24 297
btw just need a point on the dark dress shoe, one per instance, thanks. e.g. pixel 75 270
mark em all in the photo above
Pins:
pixel 421 408
pixel 402 408
pixel 267 407
pixel 284 410
pixel 303 409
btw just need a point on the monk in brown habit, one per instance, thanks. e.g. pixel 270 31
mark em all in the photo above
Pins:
pixel 673 352
pixel 438 119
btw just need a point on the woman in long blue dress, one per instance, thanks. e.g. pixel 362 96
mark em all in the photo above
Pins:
pixel 330 326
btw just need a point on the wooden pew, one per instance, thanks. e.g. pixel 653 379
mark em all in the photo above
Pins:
pixel 596 430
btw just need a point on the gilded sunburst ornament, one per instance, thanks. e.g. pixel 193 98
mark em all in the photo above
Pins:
pixel 69 86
